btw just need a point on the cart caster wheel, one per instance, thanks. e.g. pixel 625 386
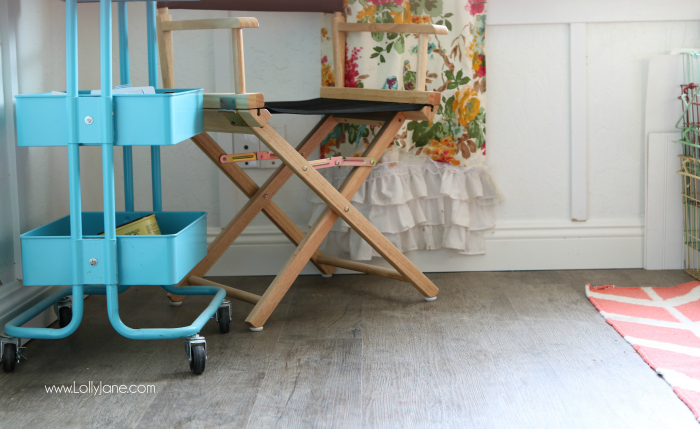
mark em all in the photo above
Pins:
pixel 9 357
pixel 430 299
pixel 258 329
pixel 65 315
pixel 326 276
pixel 223 316
pixel 198 359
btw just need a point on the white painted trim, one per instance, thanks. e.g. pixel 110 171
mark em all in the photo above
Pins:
pixel 663 249
pixel 510 246
pixel 510 12
pixel 565 230
pixel 579 145
pixel 269 234
pixel 16 298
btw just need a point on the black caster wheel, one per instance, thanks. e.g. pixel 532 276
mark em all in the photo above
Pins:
pixel 199 359
pixel 9 357
pixel 65 315
pixel 223 315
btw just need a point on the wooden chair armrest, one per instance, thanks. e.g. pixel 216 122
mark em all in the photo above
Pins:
pixel 389 95
pixel 234 101
pixel 393 28
pixel 210 24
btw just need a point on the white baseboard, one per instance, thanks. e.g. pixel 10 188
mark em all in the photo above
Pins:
pixel 16 298
pixel 262 250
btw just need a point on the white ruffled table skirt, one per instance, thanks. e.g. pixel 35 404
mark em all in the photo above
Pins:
pixel 418 206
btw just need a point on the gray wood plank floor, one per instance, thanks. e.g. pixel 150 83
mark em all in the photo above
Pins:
pixel 497 349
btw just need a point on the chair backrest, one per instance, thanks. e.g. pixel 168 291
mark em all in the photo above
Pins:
pixel 419 96
pixel 340 28
pixel 165 26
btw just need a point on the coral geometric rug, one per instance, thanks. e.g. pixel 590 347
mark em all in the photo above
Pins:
pixel 663 326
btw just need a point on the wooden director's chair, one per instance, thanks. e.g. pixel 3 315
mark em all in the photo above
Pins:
pixel 248 113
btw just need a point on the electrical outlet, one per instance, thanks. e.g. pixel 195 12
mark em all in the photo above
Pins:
pixel 273 163
pixel 243 143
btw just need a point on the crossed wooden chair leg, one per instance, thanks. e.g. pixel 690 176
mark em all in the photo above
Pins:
pixel 339 206
pixel 260 199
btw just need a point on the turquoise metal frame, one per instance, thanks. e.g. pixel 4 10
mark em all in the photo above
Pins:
pixel 102 108
pixel 125 79
pixel 152 38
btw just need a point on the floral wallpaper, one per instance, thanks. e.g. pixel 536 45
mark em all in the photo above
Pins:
pixel 456 67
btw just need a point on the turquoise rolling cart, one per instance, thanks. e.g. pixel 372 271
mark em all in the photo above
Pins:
pixel 70 251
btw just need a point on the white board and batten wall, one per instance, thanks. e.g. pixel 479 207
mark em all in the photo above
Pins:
pixel 566 139
pixel 566 135
pixel 620 50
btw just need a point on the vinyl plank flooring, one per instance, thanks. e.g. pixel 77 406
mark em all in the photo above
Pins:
pixel 579 278
pixel 465 294
pixel 311 384
pixel 510 278
pixel 410 380
pixel 443 371
pixel 496 350
pixel 474 295
pixel 520 388
pixel 104 410
pixel 621 278
pixel 224 395
pixel 606 379
pixel 534 299
pixel 42 409
pixel 661 278
pixel 317 316
pixel 340 285
pixel 393 292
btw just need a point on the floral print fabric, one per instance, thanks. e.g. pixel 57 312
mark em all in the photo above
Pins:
pixel 456 67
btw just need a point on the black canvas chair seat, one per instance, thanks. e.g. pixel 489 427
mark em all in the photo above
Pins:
pixel 331 106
